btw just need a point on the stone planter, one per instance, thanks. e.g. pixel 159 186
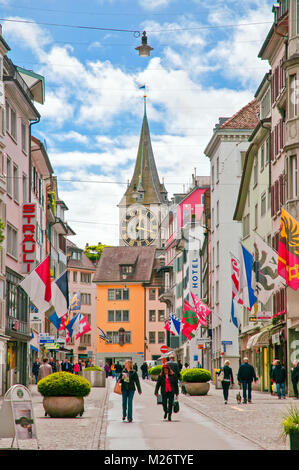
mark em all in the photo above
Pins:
pixel 294 440
pixel 196 388
pixel 97 378
pixel 154 378
pixel 63 407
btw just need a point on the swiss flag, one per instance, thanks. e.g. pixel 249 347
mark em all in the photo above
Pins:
pixel 84 327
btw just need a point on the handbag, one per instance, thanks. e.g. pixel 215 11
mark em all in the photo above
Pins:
pixel 176 406
pixel 221 376
pixel 159 399
pixel 117 388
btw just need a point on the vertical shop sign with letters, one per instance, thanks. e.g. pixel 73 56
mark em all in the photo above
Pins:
pixel 28 237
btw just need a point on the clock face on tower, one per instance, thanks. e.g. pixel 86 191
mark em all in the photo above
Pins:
pixel 139 227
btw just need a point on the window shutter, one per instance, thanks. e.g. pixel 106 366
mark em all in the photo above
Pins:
pixel 272 146
pixel 272 200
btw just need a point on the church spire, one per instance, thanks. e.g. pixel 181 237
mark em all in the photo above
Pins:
pixel 145 186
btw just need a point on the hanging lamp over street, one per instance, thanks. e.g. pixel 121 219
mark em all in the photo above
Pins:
pixel 144 49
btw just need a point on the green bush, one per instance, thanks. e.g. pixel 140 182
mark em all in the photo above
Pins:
pixel 93 368
pixel 63 384
pixel 155 370
pixel 196 375
pixel 290 423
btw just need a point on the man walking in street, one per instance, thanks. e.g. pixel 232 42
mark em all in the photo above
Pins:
pixel 246 375
pixel 35 369
pixel 174 366
pixel 279 375
pixel 53 364
pixel 144 370
pixel 44 370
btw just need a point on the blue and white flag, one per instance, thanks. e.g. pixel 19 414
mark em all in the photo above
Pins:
pixel 54 318
pixel 142 87
pixel 60 295
pixel 234 319
pixel 246 290
pixel 173 325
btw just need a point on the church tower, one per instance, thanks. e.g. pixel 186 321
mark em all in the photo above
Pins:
pixel 145 201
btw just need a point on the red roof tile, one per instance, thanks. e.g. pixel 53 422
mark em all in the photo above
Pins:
pixel 246 118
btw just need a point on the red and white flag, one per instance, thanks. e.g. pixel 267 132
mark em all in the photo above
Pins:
pixel 201 309
pixel 235 270
pixel 80 326
pixel 37 286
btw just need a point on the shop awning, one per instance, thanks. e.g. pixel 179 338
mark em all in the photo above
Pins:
pixel 259 339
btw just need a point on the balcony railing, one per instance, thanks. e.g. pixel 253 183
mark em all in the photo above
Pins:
pixel 18 326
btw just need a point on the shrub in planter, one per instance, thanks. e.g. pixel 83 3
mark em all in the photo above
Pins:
pixel 95 375
pixel 196 375
pixel 63 394
pixel 63 384
pixel 290 427
pixel 155 371
pixel 195 381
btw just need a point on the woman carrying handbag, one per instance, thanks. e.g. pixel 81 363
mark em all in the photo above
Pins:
pixel 129 380
pixel 226 376
pixel 168 383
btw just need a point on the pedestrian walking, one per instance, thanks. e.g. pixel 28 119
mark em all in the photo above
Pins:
pixel 174 366
pixel 180 364
pixel 53 364
pixel 118 370
pixel 107 369
pixel 58 366
pixel 112 368
pixel 44 370
pixel 272 367
pixel 279 376
pixel 144 370
pixel 295 378
pixel 168 383
pixel 227 379
pixel 76 368
pixel 135 367
pixel 129 381
pixel 186 365
pixel 246 375
pixel 35 369
pixel 67 366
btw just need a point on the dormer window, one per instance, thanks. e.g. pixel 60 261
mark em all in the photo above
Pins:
pixel 127 269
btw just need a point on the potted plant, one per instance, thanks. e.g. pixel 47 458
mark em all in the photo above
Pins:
pixel 95 375
pixel 155 372
pixel 196 381
pixel 63 394
pixel 290 427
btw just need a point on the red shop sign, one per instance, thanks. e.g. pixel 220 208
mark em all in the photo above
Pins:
pixel 28 237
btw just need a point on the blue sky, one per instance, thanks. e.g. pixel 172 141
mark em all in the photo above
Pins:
pixel 204 65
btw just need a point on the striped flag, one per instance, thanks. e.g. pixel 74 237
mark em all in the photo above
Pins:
pixel 235 270
pixel 173 325
pixel 246 289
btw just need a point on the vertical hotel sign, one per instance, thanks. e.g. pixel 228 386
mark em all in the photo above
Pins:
pixel 28 237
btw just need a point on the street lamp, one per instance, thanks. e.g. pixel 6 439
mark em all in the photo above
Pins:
pixel 144 49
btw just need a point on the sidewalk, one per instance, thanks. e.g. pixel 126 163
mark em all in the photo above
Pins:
pixel 81 433
pixel 259 422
